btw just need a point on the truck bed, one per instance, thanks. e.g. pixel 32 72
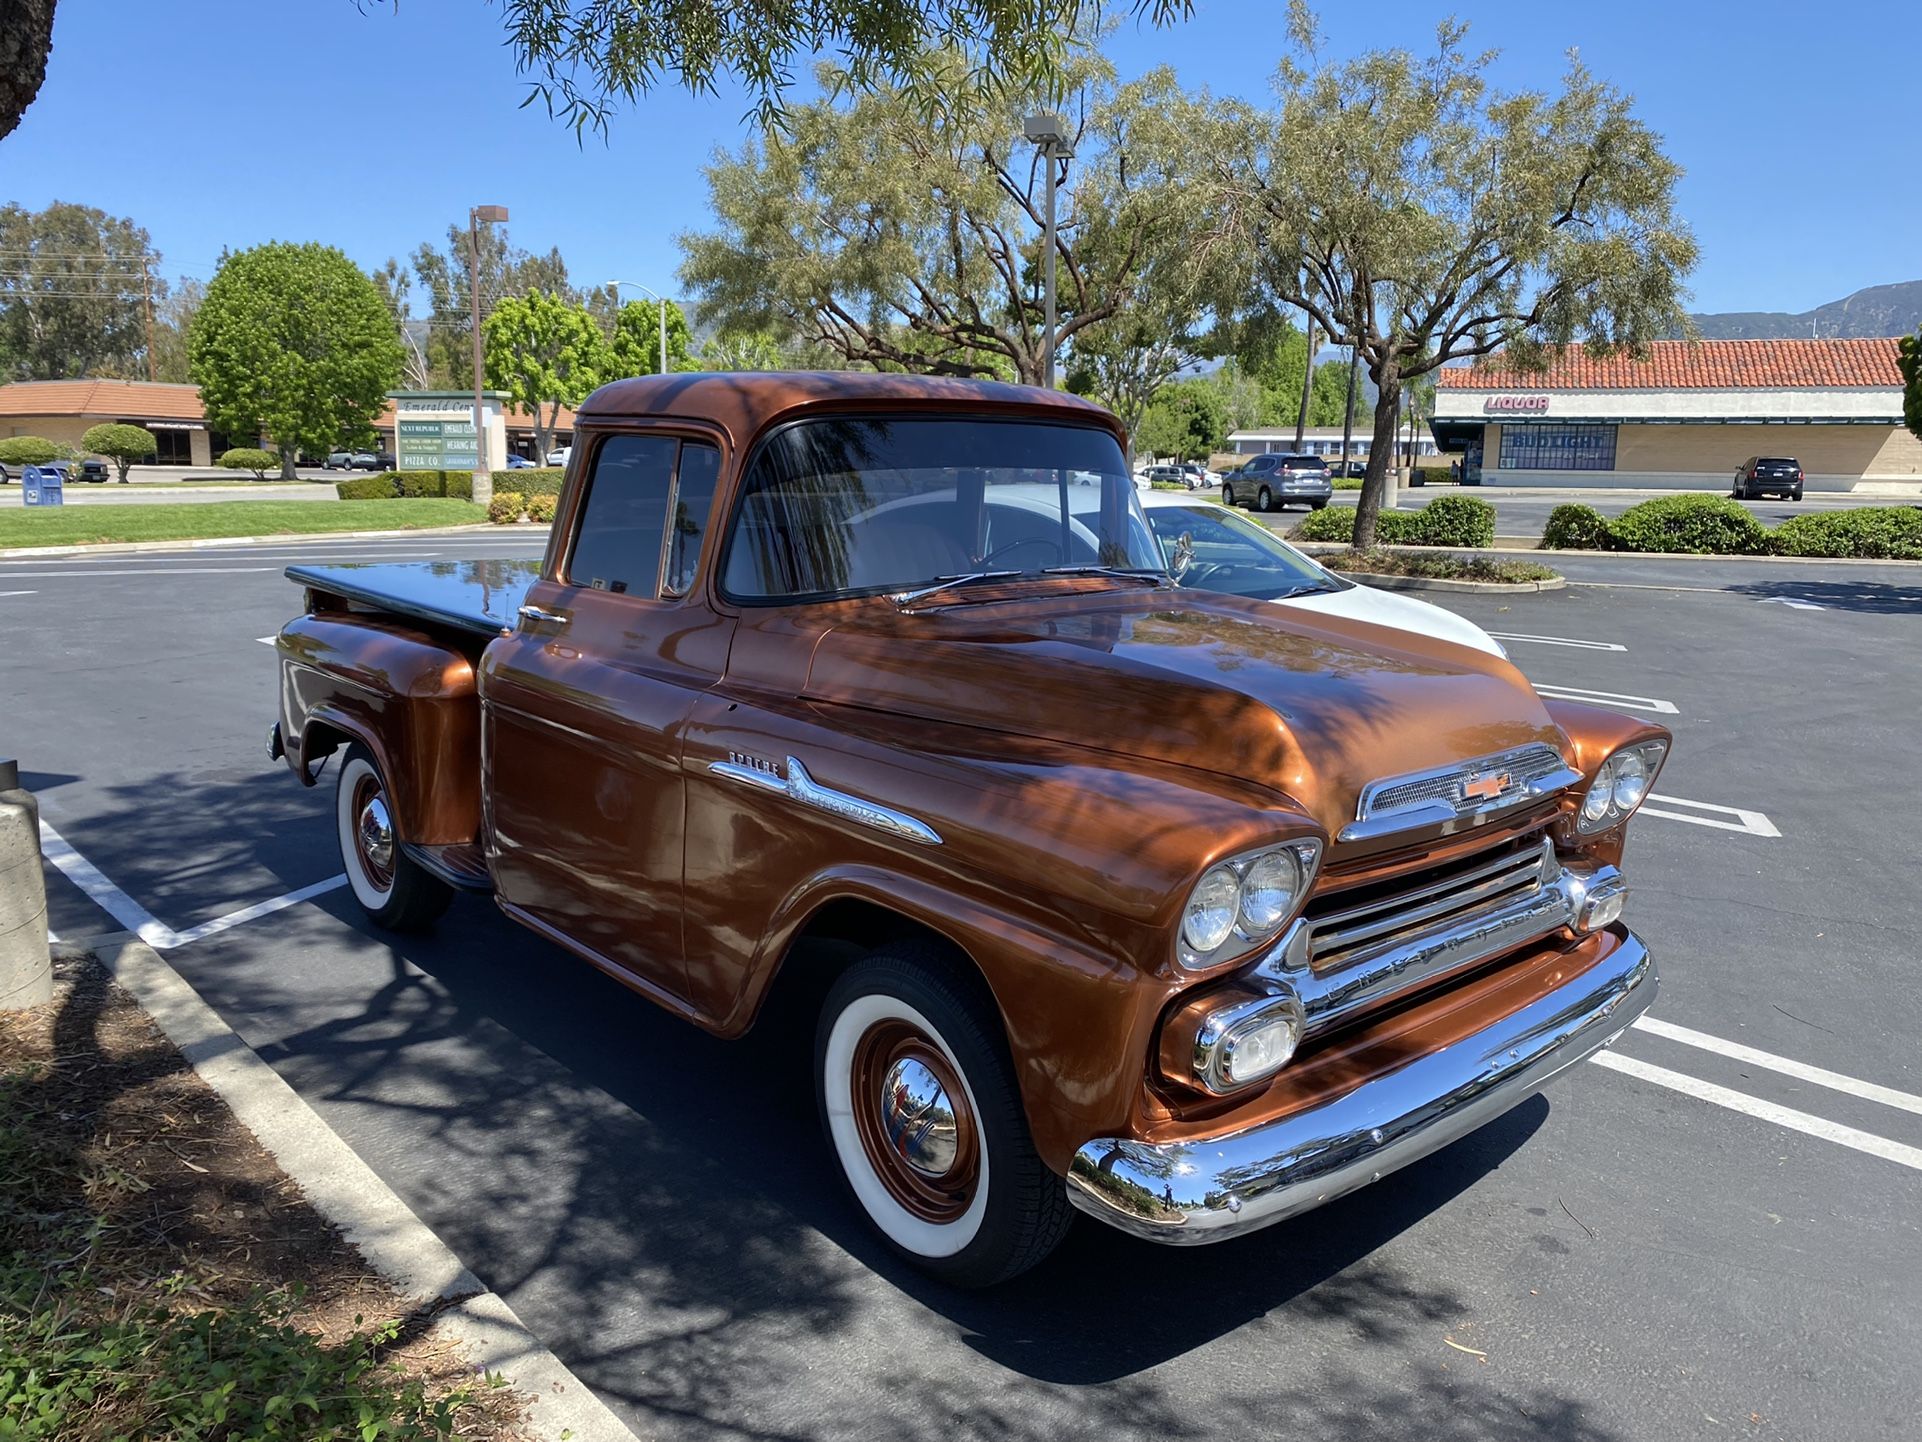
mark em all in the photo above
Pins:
pixel 482 597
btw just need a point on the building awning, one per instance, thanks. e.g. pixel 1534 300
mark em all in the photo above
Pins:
pixel 1455 435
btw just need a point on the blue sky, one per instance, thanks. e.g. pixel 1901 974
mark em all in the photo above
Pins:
pixel 229 122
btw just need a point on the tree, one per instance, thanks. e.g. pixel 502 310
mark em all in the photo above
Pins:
pixel 121 444
pixel 1188 421
pixel 173 320
pixel 444 276
pixel 294 341
pixel 1909 358
pixel 586 56
pixel 908 245
pixel 26 40
pixel 74 284
pixel 396 285
pixel 249 458
pixel 544 352
pixel 1414 213
pixel 636 344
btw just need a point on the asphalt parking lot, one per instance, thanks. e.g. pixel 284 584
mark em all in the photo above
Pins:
pixel 1713 1235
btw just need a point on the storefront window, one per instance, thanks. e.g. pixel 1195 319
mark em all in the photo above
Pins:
pixel 1558 448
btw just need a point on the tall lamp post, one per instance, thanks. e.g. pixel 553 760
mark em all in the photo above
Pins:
pixel 1050 133
pixel 660 304
pixel 483 472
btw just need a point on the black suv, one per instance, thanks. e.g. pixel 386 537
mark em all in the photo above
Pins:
pixel 1760 475
pixel 1269 482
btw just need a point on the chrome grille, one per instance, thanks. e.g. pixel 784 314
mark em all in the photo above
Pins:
pixel 1467 791
pixel 1357 933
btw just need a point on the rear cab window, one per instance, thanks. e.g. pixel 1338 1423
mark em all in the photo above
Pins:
pixel 623 540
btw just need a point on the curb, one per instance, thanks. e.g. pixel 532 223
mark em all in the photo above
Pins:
pixel 109 548
pixel 346 1191
pixel 1382 582
pixel 1325 548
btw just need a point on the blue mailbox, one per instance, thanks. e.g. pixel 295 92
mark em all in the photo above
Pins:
pixel 44 486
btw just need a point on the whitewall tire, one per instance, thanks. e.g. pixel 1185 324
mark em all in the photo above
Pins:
pixel 392 888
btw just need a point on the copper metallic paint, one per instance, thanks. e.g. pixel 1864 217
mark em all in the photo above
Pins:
pixel 1084 754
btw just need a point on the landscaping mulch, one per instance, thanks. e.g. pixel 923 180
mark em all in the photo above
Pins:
pixel 150 1247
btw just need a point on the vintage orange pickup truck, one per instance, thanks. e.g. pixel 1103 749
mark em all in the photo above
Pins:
pixel 876 695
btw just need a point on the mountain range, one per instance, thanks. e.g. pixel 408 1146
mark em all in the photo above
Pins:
pixel 1877 311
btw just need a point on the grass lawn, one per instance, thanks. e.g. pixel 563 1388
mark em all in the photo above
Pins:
pixel 79 525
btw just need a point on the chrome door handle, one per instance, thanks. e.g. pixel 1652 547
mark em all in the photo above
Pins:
pixel 541 613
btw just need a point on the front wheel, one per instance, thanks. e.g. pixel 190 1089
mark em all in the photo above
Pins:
pixel 919 1103
pixel 1227 494
pixel 395 891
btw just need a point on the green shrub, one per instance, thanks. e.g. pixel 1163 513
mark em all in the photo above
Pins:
pixel 540 482
pixel 250 458
pixel 1456 521
pixel 1346 483
pixel 506 507
pixel 541 508
pixel 1575 527
pixel 380 487
pixel 120 443
pixel 416 483
pixel 457 485
pixel 1443 567
pixel 28 451
pixel 1695 524
pixel 1337 523
pixel 1883 533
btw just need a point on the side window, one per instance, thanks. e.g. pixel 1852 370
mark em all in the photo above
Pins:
pixel 693 504
pixel 617 543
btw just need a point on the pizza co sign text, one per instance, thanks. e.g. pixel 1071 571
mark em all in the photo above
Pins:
pixel 1515 403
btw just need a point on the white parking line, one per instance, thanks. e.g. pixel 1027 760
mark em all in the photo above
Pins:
pixel 266 640
pixel 1558 641
pixel 1801 1071
pixel 167 571
pixel 18 593
pixel 1613 700
pixel 142 922
pixel 1786 601
pixel 1753 823
pixel 1767 1111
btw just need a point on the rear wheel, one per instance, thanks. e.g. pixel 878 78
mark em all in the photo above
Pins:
pixel 395 891
pixel 1264 501
pixel 1316 505
pixel 1796 494
pixel 920 1107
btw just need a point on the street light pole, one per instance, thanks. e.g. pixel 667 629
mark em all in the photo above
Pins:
pixel 660 304
pixel 1050 133
pixel 483 471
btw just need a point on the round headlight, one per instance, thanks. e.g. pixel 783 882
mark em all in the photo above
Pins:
pixel 1631 781
pixel 1211 910
pixel 1268 890
pixel 1595 804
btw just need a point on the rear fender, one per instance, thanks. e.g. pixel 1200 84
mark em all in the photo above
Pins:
pixel 409 698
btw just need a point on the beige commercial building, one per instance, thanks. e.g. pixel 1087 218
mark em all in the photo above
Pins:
pixel 1686 416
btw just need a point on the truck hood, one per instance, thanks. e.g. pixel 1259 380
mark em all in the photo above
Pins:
pixel 1313 705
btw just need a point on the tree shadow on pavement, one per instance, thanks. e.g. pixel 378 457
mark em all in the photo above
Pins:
pixel 1875 597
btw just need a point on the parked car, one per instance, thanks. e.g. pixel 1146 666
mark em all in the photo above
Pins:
pixel 94 472
pixel 1760 475
pixel 1098 892
pixel 1211 548
pixel 1200 475
pixel 1354 470
pixel 365 461
pixel 558 456
pixel 518 462
pixel 338 461
pixel 1170 475
pixel 1270 482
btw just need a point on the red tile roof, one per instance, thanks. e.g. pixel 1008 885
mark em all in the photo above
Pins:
pixel 1697 365
pixel 136 400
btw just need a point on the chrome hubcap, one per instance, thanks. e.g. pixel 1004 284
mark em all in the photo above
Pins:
pixel 376 834
pixel 919 1119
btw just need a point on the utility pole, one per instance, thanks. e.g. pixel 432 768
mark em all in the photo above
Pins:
pixel 146 275
pixel 660 302
pixel 1307 388
pixel 1050 133
pixel 483 471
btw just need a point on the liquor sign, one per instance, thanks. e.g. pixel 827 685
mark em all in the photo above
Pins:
pixel 1515 404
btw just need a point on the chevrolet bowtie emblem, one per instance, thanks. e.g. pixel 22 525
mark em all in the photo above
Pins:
pixel 1486 787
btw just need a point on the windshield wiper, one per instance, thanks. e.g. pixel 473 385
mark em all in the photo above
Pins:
pixel 1126 573
pixel 949 583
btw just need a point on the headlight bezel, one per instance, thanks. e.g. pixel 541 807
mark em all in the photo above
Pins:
pixel 1651 753
pixel 1246 933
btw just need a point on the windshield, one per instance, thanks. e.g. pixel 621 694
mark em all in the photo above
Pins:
pixel 1235 555
pixel 860 506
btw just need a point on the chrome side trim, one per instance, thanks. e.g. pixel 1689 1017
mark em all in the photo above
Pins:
pixel 1455 944
pixel 1207 1189
pixel 1440 797
pixel 798 785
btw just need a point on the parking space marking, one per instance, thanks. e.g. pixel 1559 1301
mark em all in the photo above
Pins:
pixel 266 640
pixel 1801 1071
pixel 19 593
pixel 1781 1116
pixel 1753 823
pixel 1611 699
pixel 1574 641
pixel 1787 601
pixel 142 922
pixel 163 571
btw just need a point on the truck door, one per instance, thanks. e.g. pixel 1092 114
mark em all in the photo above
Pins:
pixel 584 706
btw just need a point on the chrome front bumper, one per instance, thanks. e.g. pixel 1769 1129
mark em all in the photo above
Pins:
pixel 1195 1191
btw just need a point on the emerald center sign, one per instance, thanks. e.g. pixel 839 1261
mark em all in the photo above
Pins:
pixel 434 430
